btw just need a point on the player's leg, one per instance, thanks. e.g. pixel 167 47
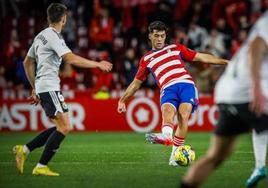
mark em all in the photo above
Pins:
pixel 168 109
pixel 221 147
pixel 56 109
pixel 168 113
pixel 184 113
pixel 21 151
pixel 51 102
pixel 188 97
pixel 165 137
pixel 260 149
pixel 169 105
pixel 63 125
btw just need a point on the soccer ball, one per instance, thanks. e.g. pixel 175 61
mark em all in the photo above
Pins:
pixel 184 155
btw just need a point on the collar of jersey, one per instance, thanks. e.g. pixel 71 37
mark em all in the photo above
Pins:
pixel 54 29
pixel 155 50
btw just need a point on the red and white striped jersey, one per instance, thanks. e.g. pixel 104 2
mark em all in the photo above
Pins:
pixel 166 65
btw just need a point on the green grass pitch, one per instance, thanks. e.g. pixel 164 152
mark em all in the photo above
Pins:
pixel 118 160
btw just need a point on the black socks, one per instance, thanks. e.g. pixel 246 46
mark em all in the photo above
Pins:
pixel 184 185
pixel 52 145
pixel 40 139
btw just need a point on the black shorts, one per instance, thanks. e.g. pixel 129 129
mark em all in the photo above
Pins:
pixel 52 102
pixel 237 118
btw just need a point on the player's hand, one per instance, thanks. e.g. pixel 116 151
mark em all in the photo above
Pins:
pixel 258 100
pixel 105 66
pixel 121 107
pixel 34 98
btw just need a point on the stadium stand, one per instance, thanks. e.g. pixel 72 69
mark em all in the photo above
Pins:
pixel 117 30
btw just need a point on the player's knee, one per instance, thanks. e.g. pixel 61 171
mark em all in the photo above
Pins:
pixel 168 121
pixel 168 110
pixel 65 129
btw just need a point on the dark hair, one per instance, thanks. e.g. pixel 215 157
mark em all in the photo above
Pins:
pixel 55 11
pixel 157 25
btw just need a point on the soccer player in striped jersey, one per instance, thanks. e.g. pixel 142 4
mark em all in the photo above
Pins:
pixel 42 65
pixel 178 92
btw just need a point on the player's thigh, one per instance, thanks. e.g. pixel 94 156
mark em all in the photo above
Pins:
pixel 188 94
pixel 169 102
pixel 221 147
pixel 184 111
pixel 168 111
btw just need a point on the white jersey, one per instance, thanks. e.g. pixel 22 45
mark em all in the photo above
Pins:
pixel 47 49
pixel 234 85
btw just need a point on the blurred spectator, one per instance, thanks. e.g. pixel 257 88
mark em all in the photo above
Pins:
pixel 21 78
pixel 118 28
pixel 3 83
pixel 214 44
pixel 68 77
pixel 230 10
pixel 101 28
pixel 11 51
pixel 69 31
pixel 224 30
pixel 236 43
pixel 197 35
pixel 130 66
pixel 82 38
pixel 102 94
pixel 103 81
pixel 181 9
pixel 181 36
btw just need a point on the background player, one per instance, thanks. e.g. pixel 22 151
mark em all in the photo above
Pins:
pixel 178 92
pixel 241 94
pixel 42 66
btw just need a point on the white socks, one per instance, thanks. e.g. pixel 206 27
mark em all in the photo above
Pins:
pixel 39 165
pixel 167 130
pixel 26 149
pixel 260 148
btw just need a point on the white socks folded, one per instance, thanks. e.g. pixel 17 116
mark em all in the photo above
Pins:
pixel 260 147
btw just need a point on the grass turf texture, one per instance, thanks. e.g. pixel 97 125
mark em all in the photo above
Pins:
pixel 119 160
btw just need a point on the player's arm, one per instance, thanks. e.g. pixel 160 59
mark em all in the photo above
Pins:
pixel 210 59
pixel 130 91
pixel 79 61
pixel 257 49
pixel 29 65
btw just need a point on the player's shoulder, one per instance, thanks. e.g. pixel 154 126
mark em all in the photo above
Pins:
pixel 263 21
pixel 51 34
pixel 146 56
pixel 180 46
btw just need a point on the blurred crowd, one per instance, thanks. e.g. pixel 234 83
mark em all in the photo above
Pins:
pixel 116 30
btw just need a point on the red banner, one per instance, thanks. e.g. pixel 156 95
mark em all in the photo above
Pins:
pixel 88 114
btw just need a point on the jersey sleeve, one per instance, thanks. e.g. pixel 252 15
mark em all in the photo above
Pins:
pixel 186 53
pixel 142 72
pixel 58 45
pixel 31 52
pixel 263 32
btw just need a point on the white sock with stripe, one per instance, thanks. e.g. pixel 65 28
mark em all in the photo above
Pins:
pixel 167 129
pixel 260 147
